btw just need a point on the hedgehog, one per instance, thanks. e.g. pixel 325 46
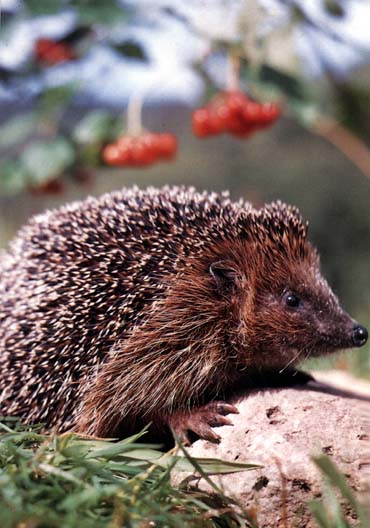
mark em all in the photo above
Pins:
pixel 156 306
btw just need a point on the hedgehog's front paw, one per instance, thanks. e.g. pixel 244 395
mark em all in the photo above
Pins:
pixel 200 421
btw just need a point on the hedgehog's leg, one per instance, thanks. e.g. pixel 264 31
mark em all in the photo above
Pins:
pixel 200 421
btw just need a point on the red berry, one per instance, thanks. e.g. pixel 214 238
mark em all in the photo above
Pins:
pixel 41 46
pixel 224 115
pixel 140 153
pixel 55 187
pixel 151 141
pixel 125 145
pixel 125 156
pixel 237 125
pixel 166 145
pixel 236 101
pixel 200 122
pixel 148 157
pixel 270 112
pixel 135 151
pixel 230 108
pixel 140 150
pixel 215 124
pixel 60 53
pixel 243 132
pixel 53 52
pixel 252 112
pixel 124 142
pixel 112 155
pixel 235 113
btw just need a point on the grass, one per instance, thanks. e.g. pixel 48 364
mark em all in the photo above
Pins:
pixel 69 481
pixel 338 496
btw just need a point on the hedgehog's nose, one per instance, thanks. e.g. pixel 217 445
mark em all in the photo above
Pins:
pixel 359 335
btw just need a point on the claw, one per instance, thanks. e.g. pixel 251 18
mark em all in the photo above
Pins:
pixel 226 408
pixel 220 407
pixel 200 421
pixel 207 433
pixel 211 436
pixel 218 421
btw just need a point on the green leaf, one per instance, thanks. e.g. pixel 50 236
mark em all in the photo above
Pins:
pixel 334 8
pixel 95 127
pixel 17 129
pixel 305 111
pixel 338 480
pixel 273 82
pixel 320 513
pixel 44 160
pixel 13 179
pixel 101 12
pixel 56 97
pixel 39 483
pixel 111 451
pixel 90 11
pixel 213 466
pixel 292 87
pixel 44 7
pixel 132 50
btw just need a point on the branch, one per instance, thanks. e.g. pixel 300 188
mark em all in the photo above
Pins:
pixel 349 144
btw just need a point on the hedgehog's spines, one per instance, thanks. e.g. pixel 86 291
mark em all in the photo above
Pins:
pixel 78 281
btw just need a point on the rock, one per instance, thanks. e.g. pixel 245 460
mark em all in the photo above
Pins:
pixel 281 430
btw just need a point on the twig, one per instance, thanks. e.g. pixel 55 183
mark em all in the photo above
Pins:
pixel 232 72
pixel 134 108
pixel 349 144
pixel 284 498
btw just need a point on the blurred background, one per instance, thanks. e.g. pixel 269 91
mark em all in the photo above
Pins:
pixel 82 83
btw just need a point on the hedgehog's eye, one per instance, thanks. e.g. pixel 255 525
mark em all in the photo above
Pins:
pixel 292 300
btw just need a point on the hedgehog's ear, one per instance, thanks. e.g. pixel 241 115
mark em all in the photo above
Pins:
pixel 226 275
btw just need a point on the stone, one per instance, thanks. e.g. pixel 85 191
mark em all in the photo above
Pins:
pixel 281 430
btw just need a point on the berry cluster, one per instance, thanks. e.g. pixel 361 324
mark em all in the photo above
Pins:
pixel 136 151
pixel 54 186
pixel 51 52
pixel 233 113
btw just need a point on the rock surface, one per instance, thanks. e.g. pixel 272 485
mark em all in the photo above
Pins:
pixel 281 429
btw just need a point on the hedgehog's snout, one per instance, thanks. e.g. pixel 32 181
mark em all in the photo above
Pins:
pixel 359 335
pixel 353 333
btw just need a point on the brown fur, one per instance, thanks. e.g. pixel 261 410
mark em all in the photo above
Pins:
pixel 197 344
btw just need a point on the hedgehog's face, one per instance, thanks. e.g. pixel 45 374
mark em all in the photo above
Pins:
pixel 284 310
pixel 296 314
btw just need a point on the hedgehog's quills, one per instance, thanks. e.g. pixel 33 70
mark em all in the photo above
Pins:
pixel 145 306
